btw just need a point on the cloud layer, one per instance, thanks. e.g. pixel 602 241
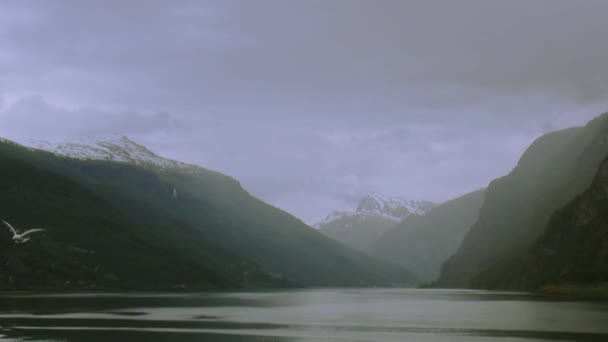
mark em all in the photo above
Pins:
pixel 310 103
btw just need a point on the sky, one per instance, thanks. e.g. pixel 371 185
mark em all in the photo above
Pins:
pixel 311 104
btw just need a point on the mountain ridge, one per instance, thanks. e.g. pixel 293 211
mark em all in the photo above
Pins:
pixel 264 244
pixel 393 208
pixel 422 243
pixel 556 168
pixel 570 254
pixel 373 215
pixel 109 147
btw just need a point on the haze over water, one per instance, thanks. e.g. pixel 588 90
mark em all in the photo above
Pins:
pixel 302 315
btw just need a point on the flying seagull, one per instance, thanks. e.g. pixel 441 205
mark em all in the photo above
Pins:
pixel 21 238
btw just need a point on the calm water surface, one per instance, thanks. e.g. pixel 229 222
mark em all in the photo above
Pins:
pixel 303 315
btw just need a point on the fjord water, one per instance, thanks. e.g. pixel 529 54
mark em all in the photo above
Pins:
pixel 301 315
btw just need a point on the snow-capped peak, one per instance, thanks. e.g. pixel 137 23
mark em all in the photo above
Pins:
pixel 116 148
pixel 393 208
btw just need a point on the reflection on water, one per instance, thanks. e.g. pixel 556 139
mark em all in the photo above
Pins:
pixel 306 315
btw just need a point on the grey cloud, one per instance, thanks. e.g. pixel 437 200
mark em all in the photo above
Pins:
pixel 310 103
pixel 316 55
pixel 35 117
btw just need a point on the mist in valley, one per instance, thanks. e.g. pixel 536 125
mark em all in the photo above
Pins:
pixel 303 170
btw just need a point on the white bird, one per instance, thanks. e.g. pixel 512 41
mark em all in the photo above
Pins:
pixel 21 238
pixel 175 193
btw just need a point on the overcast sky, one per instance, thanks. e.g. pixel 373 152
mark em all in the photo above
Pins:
pixel 310 104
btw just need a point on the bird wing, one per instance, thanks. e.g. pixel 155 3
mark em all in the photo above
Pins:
pixel 31 231
pixel 10 227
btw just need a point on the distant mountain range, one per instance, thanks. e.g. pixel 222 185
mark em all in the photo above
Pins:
pixel 392 208
pixel 117 216
pixel 542 227
pixel 421 243
pixel 373 216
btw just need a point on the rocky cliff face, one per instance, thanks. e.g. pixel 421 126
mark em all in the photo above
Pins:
pixel 554 170
pixel 573 250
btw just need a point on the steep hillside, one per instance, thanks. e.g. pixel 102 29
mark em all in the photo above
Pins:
pixel 422 243
pixel 572 251
pixel 183 206
pixel 375 214
pixel 556 168
pixel 89 244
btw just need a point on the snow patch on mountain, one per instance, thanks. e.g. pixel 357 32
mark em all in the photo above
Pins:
pixel 110 148
pixel 393 208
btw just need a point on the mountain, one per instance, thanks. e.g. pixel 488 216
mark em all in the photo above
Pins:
pixel 555 169
pixel 571 253
pixel 422 243
pixel 109 148
pixel 394 208
pixel 197 216
pixel 374 215
pixel 90 244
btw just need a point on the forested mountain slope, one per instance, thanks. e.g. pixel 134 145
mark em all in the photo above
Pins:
pixel 191 213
